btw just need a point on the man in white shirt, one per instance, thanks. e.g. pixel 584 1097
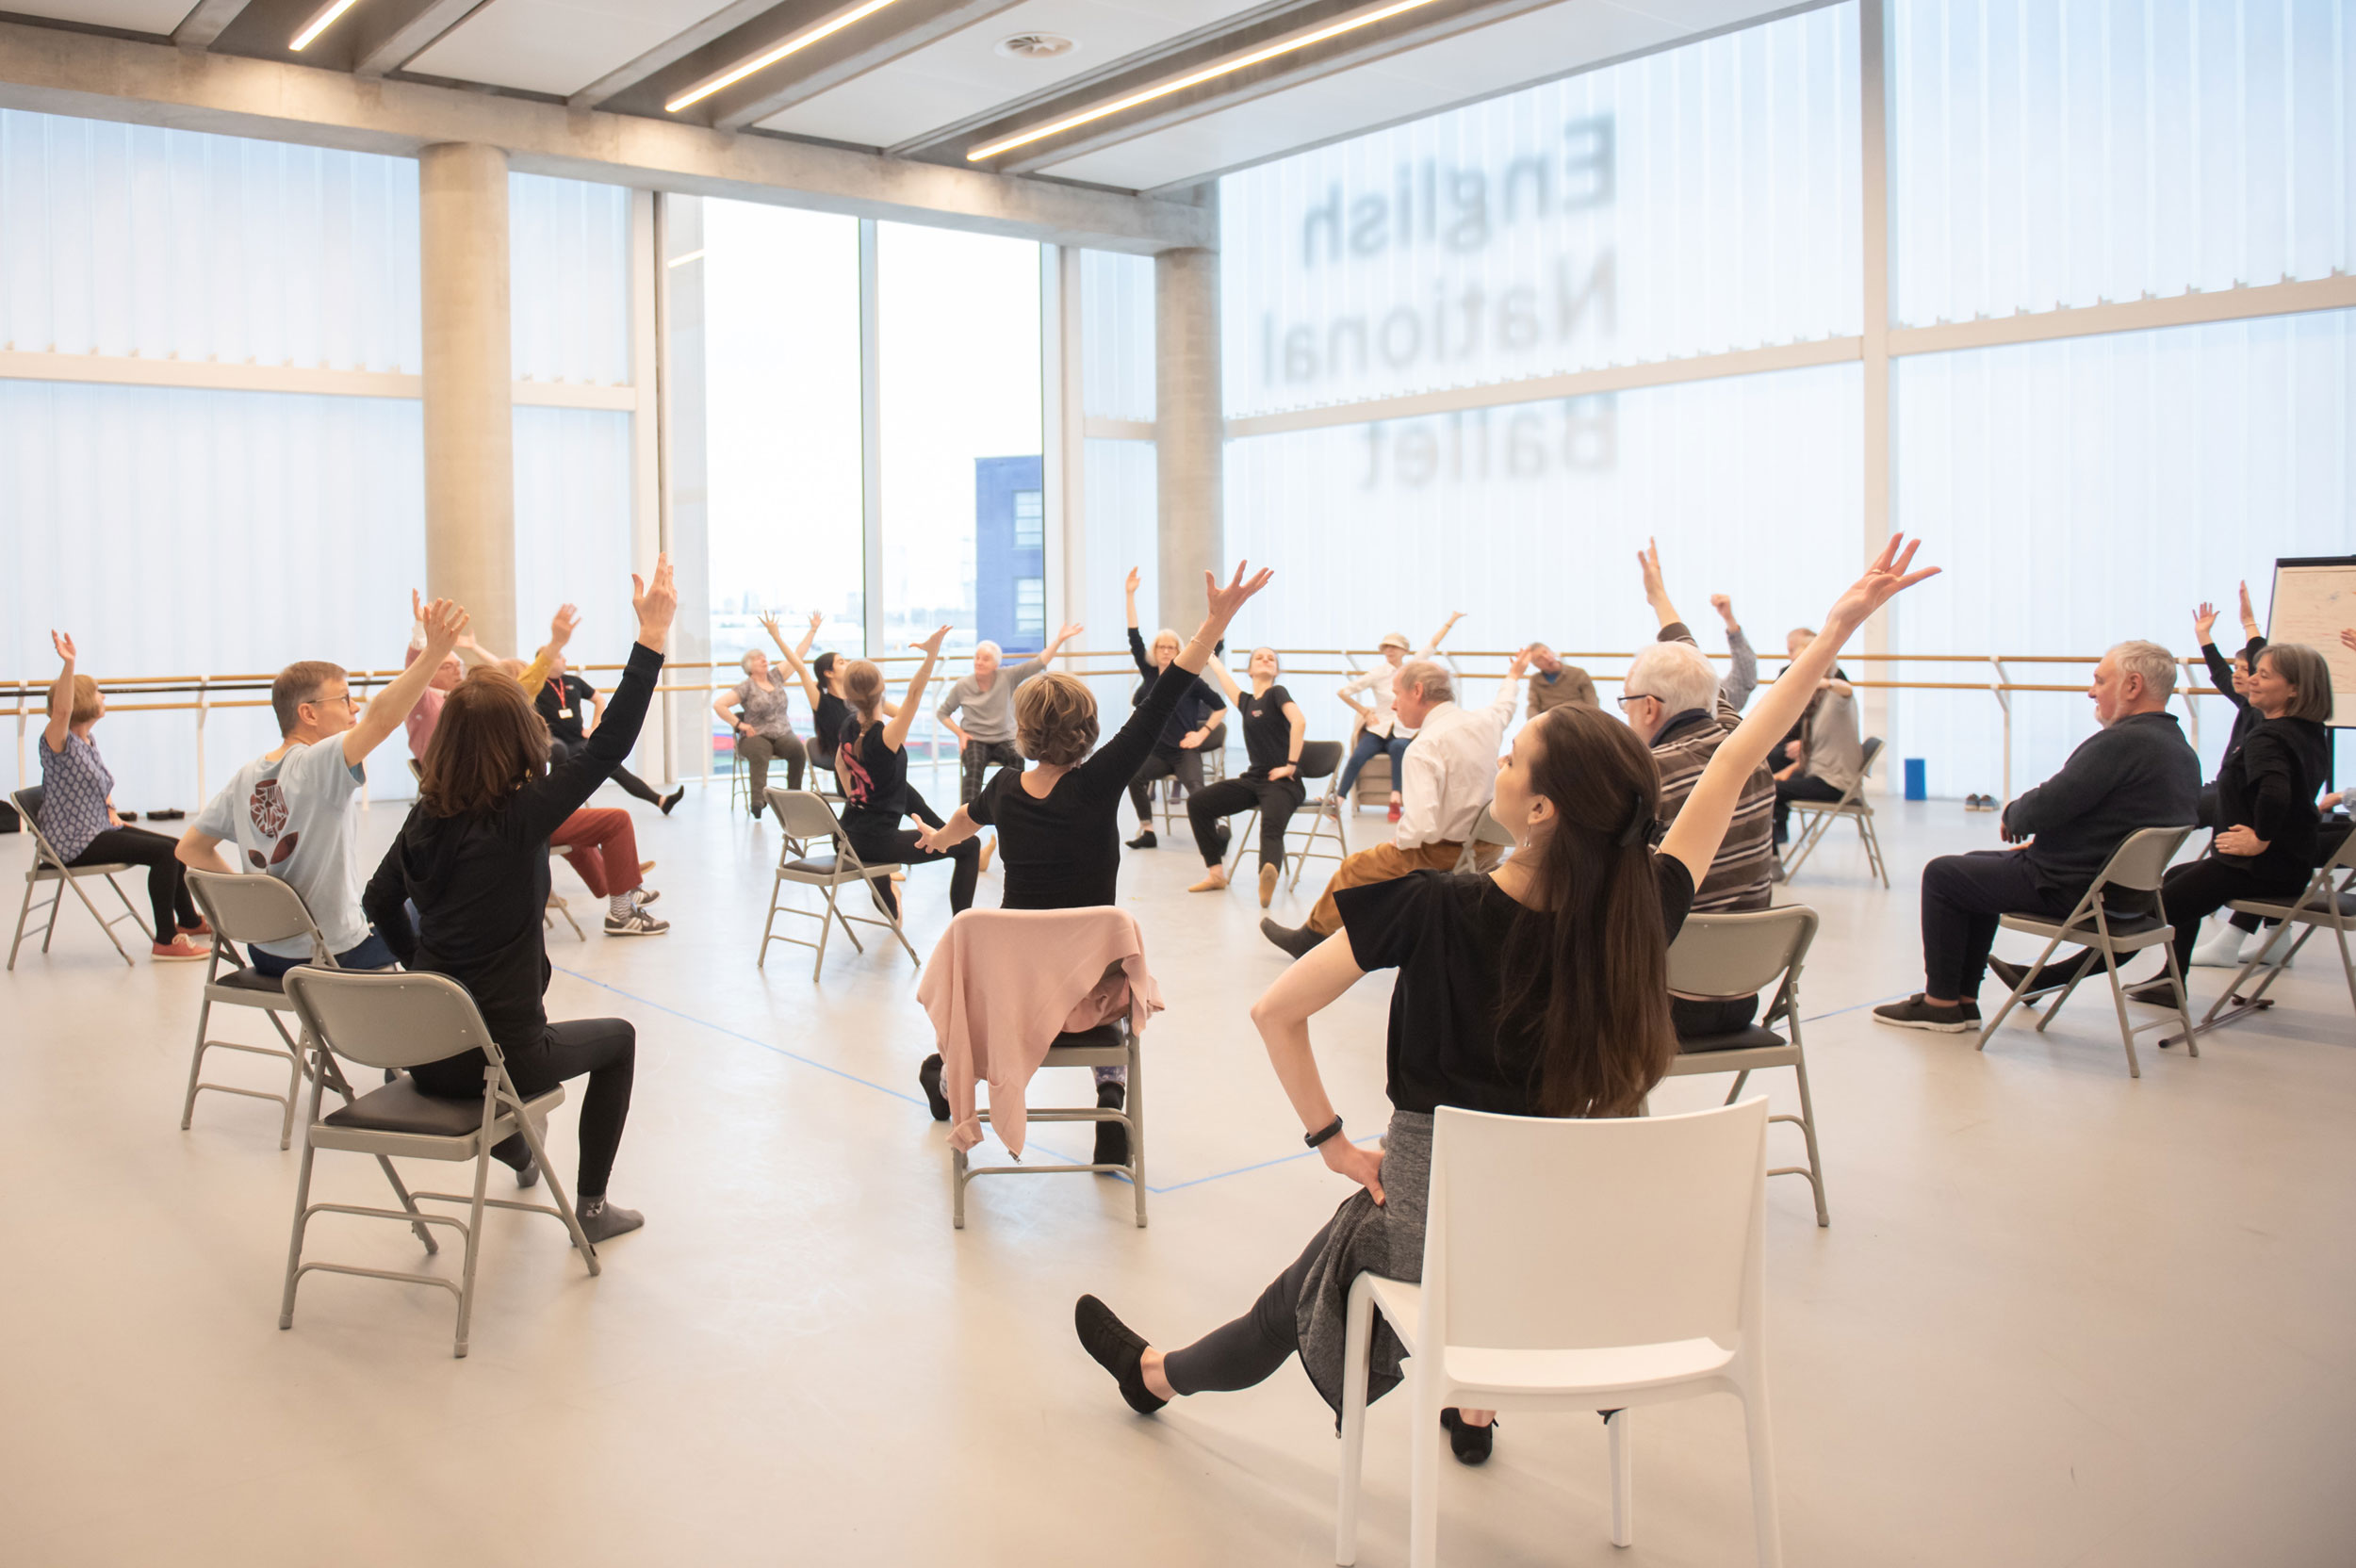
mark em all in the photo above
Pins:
pixel 288 815
pixel 1450 776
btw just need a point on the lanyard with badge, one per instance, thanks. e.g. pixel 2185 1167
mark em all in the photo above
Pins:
pixel 556 684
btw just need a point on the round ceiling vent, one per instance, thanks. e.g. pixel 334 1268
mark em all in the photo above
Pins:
pixel 1036 46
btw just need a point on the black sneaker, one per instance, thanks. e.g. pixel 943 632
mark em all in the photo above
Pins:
pixel 1117 1348
pixel 1917 1013
pixel 1145 839
pixel 2154 993
pixel 1112 1138
pixel 672 799
pixel 2010 975
pixel 1470 1444
pixel 928 1078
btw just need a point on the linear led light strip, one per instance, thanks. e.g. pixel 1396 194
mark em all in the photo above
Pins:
pixel 1232 64
pixel 319 23
pixel 800 42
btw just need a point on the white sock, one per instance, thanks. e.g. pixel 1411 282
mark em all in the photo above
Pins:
pixel 619 906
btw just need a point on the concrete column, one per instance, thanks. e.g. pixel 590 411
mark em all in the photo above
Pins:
pixel 1189 432
pixel 469 425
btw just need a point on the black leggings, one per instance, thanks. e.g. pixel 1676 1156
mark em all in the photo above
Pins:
pixel 897 845
pixel 167 878
pixel 604 1048
pixel 1163 762
pixel 1248 1350
pixel 1277 799
pixel 560 751
pixel 1800 785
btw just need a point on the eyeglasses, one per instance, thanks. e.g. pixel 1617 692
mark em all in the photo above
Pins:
pixel 1627 697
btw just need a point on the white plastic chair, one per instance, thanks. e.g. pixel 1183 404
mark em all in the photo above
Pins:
pixel 1575 1265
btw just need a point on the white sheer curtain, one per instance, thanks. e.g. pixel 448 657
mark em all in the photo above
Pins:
pixel 1117 334
pixel 573 532
pixel 568 269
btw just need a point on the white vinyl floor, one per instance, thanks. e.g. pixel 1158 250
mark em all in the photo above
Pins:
pixel 2060 1316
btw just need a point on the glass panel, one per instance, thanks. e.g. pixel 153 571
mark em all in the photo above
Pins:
pixel 1117 334
pixel 569 280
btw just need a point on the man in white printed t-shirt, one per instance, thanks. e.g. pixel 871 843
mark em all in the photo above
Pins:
pixel 289 813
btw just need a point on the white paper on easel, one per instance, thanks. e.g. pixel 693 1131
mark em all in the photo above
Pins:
pixel 2314 600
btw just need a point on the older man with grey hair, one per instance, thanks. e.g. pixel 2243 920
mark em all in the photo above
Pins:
pixel 2135 771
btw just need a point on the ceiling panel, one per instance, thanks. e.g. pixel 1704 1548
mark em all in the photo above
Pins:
pixel 556 46
pixel 1479 63
pixel 134 16
pixel 963 74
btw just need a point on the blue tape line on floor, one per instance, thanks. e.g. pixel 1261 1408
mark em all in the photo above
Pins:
pixel 913 1100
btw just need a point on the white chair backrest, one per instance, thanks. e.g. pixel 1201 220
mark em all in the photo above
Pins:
pixel 2141 859
pixel 1568 1233
pixel 255 908
pixel 1737 955
pixel 388 1019
pixel 804 814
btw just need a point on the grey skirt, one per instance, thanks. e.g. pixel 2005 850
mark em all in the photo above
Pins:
pixel 1367 1237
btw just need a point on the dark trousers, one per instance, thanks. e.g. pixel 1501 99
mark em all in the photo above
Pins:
pixel 1277 799
pixel 1962 895
pixel 1694 1019
pixel 976 760
pixel 370 954
pixel 897 845
pixel 560 751
pixel 1164 762
pixel 757 749
pixel 167 897
pixel 1800 785
pixel 1249 1349
pixel 604 1048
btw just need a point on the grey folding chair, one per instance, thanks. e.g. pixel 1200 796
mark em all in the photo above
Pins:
pixel 2319 906
pixel 1486 831
pixel 403 1021
pixel 1170 795
pixel 250 909
pixel 49 866
pixel 805 818
pixel 1817 817
pixel 2135 866
pixel 1737 955
pixel 1318 760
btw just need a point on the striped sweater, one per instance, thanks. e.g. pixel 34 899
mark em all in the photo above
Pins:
pixel 1738 877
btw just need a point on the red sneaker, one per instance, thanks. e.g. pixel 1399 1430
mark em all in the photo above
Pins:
pixel 200 929
pixel 1395 810
pixel 178 950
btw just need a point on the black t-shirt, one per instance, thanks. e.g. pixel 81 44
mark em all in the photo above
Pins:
pixel 1446 934
pixel 563 715
pixel 832 715
pixel 874 781
pixel 1064 852
pixel 1267 735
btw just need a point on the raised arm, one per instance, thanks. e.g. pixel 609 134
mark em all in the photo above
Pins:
pixel 1129 594
pixel 2250 632
pixel 61 695
pixel 544 803
pixel 444 624
pixel 1217 670
pixel 794 660
pixel 801 649
pixel 1063 634
pixel 1446 626
pixel 1701 822
pixel 1656 586
pixel 896 728
pixel 1742 678
pixel 561 629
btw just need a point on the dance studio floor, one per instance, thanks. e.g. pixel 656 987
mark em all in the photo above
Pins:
pixel 2060 1317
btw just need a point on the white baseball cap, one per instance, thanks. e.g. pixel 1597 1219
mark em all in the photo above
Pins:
pixel 1395 640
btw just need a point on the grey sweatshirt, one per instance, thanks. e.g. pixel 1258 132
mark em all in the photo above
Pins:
pixel 988 715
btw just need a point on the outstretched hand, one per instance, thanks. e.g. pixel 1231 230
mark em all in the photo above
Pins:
pixel 1225 601
pixel 1884 581
pixel 769 624
pixel 2249 617
pixel 1069 630
pixel 564 624
pixel 1521 662
pixel 2203 622
pixel 1130 585
pixel 2348 638
pixel 930 647
pixel 654 603
pixel 1724 607
pixel 1648 562
pixel 817 620
pixel 64 643
pixel 445 623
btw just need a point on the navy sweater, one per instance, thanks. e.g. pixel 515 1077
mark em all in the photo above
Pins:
pixel 2137 773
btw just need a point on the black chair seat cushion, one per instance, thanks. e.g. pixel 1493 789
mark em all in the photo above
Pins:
pixel 252 980
pixel 399 1108
pixel 1751 1038
pixel 2346 902
pixel 1105 1037
pixel 2121 925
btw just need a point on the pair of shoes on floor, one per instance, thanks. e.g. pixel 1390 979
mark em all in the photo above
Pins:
pixel 603 1221
pixel 1916 1012
pixel 1295 940
pixel 1112 1138
pixel 1979 803
pixel 178 951
pixel 1144 839
pixel 1470 1444
pixel 672 799
pixel 636 924
pixel 2010 975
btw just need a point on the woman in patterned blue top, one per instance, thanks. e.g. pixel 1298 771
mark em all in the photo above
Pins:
pixel 79 820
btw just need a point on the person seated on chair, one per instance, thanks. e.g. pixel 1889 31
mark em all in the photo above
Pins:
pixel 985 697
pixel 872 762
pixel 292 812
pixel 570 705
pixel 1824 759
pixel 78 817
pixel 1379 728
pixel 2135 771
pixel 1058 820
pixel 451 670
pixel 1178 750
pixel 2267 837
pixel 1451 771
pixel 1552 683
pixel 1540 988
pixel 1677 705
pixel 822 682
pixel 764 726
pixel 1274 729
pixel 2231 679
pixel 472 857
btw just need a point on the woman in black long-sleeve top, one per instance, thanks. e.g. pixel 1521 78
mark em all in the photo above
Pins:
pixel 2232 679
pixel 473 858
pixel 2267 825
pixel 1177 751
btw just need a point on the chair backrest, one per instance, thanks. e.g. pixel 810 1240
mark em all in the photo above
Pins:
pixel 27 802
pixel 1488 830
pixel 2141 859
pixel 256 909
pixel 388 1018
pixel 1318 758
pixel 416 769
pixel 1867 753
pixel 1027 953
pixel 804 814
pixel 1545 1233
pixel 1739 954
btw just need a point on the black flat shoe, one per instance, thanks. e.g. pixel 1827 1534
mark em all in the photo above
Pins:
pixel 1116 1347
pixel 2153 994
pixel 1470 1444
pixel 929 1076
pixel 1144 840
pixel 1112 1138
pixel 673 799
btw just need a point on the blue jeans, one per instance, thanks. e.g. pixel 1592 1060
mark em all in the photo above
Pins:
pixel 370 954
pixel 1363 753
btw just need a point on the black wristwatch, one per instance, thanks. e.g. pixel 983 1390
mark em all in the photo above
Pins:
pixel 1330 1130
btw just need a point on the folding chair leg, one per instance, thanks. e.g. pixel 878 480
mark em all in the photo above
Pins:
pixel 302 1213
pixel 105 924
pixel 2014 998
pixel 2119 1001
pixel 2183 1003
pixel 1872 849
pixel 1622 1442
pixel 401 1190
pixel 564 1208
pixel 474 1233
pixel 24 912
pixel 1807 1132
pixel 1357 1346
pixel 294 1083
pixel 196 1067
pixel 1134 1109
pixel 1249 828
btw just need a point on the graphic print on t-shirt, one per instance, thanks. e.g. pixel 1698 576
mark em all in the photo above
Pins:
pixel 267 807
pixel 857 785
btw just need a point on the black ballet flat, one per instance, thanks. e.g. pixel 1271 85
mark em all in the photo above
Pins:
pixel 1471 1445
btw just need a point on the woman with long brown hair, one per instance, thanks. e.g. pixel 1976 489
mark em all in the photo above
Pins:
pixel 1540 988
pixel 473 858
